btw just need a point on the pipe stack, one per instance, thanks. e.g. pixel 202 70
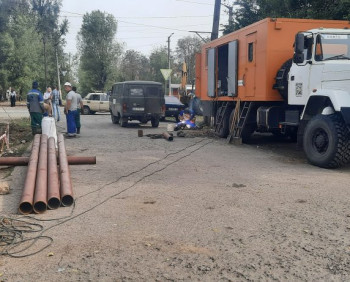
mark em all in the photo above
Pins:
pixel 45 185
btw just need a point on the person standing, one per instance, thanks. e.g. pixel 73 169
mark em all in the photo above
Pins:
pixel 35 105
pixel 80 105
pixel 13 97
pixel 55 100
pixel 70 109
pixel 47 102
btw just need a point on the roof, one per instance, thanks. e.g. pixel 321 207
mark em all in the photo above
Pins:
pixel 139 82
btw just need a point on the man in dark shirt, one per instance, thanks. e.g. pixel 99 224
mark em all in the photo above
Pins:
pixel 35 105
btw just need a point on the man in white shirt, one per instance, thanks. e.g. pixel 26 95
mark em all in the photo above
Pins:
pixel 47 101
pixel 13 97
pixel 70 109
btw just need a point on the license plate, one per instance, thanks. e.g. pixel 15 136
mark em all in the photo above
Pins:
pixel 138 109
pixel 172 109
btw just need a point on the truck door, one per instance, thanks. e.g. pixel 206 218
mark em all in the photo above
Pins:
pixel 211 72
pixel 135 98
pixel 250 69
pixel 232 68
pixel 104 103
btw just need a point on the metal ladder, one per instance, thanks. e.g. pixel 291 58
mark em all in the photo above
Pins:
pixel 238 125
pixel 220 117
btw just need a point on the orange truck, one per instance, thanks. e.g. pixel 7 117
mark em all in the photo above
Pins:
pixel 285 76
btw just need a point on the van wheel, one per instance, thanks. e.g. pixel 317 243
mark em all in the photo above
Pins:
pixel 155 122
pixel 115 119
pixel 86 110
pixel 123 121
pixel 326 141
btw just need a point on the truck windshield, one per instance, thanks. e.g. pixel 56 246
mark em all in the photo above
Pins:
pixel 332 47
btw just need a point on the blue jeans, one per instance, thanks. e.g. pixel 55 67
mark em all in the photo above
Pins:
pixel 56 111
pixel 71 126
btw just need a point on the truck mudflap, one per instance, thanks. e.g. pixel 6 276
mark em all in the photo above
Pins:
pixel 345 112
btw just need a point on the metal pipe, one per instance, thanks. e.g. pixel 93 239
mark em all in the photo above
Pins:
pixel 40 195
pixel 168 136
pixel 23 161
pixel 26 202
pixel 53 187
pixel 66 190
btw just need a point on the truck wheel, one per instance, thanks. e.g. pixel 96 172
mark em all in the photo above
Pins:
pixel 123 121
pixel 155 121
pixel 326 141
pixel 282 79
pixel 115 119
pixel 223 131
pixel 86 110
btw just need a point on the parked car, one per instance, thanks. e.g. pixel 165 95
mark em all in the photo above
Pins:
pixel 95 102
pixel 173 107
pixel 137 100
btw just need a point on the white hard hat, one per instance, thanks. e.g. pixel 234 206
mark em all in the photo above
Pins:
pixel 68 84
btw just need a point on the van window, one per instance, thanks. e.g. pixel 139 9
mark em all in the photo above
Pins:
pixel 250 52
pixel 104 98
pixel 153 91
pixel 94 97
pixel 136 91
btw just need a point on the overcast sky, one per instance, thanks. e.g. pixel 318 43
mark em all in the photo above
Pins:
pixel 144 25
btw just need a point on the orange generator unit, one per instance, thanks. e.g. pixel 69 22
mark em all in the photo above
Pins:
pixel 284 76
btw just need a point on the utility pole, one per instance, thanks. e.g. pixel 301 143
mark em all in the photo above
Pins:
pixel 169 62
pixel 216 20
pixel 58 75
pixel 230 13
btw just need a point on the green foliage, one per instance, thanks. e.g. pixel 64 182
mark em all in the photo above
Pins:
pixel 98 52
pixel 249 11
pixel 158 60
pixel 134 66
pixel 21 48
pixel 186 50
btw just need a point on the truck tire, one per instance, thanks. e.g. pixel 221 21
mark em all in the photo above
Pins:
pixel 115 119
pixel 155 121
pixel 123 121
pixel 225 127
pixel 326 141
pixel 282 79
pixel 86 110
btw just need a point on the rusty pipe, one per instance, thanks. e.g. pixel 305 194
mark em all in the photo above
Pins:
pixel 40 195
pixel 66 190
pixel 168 136
pixel 23 161
pixel 53 187
pixel 26 202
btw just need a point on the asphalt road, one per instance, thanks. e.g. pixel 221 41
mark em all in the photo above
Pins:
pixel 195 209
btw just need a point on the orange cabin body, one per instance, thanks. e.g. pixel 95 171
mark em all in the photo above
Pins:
pixel 261 49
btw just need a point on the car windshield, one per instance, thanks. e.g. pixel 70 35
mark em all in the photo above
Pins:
pixel 172 100
pixel 332 47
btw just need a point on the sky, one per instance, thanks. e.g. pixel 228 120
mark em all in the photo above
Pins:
pixel 144 24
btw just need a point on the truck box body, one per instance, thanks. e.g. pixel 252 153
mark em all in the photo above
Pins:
pixel 244 63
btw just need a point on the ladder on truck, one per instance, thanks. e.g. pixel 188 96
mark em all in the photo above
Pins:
pixel 221 117
pixel 239 121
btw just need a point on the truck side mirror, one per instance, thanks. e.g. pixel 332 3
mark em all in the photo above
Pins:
pixel 299 48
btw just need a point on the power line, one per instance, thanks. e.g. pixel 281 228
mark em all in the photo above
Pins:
pixel 193 2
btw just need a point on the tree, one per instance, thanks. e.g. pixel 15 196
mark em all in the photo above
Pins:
pixel 186 50
pixel 158 60
pixel 134 66
pixel 98 50
pixel 249 11
pixel 47 26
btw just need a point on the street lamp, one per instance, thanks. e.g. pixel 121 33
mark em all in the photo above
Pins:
pixel 169 62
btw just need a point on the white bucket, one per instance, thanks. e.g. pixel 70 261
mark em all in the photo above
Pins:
pixel 170 127
pixel 48 127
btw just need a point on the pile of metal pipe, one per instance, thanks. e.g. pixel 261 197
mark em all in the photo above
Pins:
pixel 24 161
pixel 46 185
